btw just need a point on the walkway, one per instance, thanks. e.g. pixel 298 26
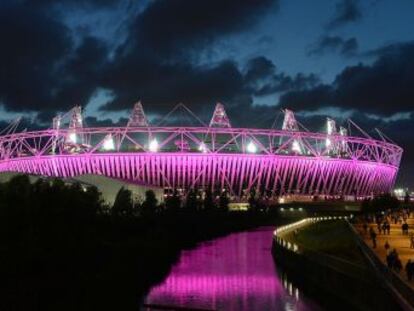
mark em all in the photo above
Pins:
pixel 396 240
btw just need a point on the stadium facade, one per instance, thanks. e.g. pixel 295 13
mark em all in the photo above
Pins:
pixel 216 156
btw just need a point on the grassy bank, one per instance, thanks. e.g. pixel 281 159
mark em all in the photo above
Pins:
pixel 330 237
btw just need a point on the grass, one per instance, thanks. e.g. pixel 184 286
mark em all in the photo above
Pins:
pixel 330 237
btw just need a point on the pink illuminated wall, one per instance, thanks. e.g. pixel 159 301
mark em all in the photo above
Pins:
pixel 276 173
pixel 238 159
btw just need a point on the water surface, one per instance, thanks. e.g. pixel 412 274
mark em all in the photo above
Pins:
pixel 235 273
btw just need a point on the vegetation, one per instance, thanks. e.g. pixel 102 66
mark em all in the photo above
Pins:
pixel 330 237
pixel 61 248
pixel 380 203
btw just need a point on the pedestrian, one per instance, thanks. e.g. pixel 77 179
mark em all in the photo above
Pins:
pixel 388 228
pixel 390 261
pixel 365 226
pixel 397 265
pixel 384 227
pixel 373 236
pixel 411 240
pixel 409 269
pixel 404 228
pixel 387 246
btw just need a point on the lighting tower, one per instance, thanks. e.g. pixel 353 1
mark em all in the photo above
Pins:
pixel 138 118
pixel 75 122
pixel 56 123
pixel 290 124
pixel 331 130
pixel 219 118
pixel 343 132
pixel 289 121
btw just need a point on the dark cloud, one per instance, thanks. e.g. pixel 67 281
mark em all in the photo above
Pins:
pixel 345 47
pixel 263 79
pixel 259 68
pixel 169 27
pixel 167 84
pixel 95 122
pixel 281 82
pixel 33 46
pixel 158 61
pixel 81 73
pixel 383 88
pixel 80 4
pixel 40 67
pixel 346 11
pixel 43 69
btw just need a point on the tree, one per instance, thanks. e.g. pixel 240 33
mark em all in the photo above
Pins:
pixel 123 203
pixel 191 202
pixel 407 198
pixel 150 203
pixel 384 201
pixel 252 199
pixel 173 203
pixel 208 202
pixel 224 201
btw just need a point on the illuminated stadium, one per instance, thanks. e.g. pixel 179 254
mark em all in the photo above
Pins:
pixel 216 156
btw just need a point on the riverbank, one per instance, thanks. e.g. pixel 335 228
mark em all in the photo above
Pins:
pixel 62 248
pixel 325 258
pixel 110 264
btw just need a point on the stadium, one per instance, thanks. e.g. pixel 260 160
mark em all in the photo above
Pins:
pixel 272 162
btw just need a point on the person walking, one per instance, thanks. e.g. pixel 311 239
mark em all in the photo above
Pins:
pixel 404 228
pixel 387 246
pixel 397 264
pixel 409 270
pixel 384 227
pixel 365 227
pixel 388 228
pixel 411 240
pixel 373 236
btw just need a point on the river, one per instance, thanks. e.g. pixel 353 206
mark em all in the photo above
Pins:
pixel 236 272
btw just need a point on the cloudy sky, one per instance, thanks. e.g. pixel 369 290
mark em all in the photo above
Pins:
pixel 343 58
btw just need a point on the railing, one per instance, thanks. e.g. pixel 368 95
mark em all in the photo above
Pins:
pixel 304 222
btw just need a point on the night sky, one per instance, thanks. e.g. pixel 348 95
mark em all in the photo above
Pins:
pixel 343 58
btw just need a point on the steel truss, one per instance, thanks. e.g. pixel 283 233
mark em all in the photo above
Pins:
pixel 207 157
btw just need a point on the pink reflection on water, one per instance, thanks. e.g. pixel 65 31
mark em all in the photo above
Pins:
pixel 232 273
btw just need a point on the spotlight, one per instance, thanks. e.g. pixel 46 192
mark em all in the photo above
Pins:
pixel 153 145
pixel 202 147
pixel 251 148
pixel 108 143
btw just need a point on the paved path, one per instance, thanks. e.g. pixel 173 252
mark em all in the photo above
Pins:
pixel 396 240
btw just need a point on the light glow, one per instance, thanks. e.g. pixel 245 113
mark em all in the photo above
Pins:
pixel 153 145
pixel 73 138
pixel 296 147
pixel 202 147
pixel 108 143
pixel 251 148
pixel 330 126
